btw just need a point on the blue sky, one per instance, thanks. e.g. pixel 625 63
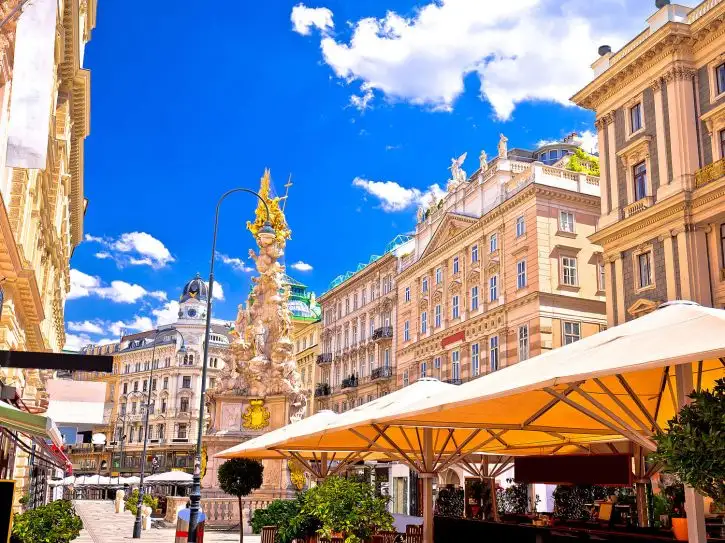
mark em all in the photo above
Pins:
pixel 363 103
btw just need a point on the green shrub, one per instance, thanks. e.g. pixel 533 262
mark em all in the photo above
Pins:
pixel 148 499
pixel 347 507
pixel 514 500
pixel 56 522
pixel 287 516
pixel 570 501
pixel 450 502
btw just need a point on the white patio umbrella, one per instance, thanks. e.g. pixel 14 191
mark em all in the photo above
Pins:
pixel 179 478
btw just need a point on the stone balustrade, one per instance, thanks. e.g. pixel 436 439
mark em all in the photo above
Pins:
pixel 700 10
pixel 638 206
pixel 709 173
pixel 225 511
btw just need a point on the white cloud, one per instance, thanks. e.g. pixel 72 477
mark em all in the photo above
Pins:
pixel 138 324
pixel 362 102
pixel 395 197
pixel 75 342
pixel 301 266
pixel 218 293
pixel 236 263
pixel 304 18
pixel 520 50
pixel 84 285
pixel 86 326
pixel 134 249
pixel 167 314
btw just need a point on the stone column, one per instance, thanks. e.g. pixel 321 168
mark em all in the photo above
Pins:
pixel 668 244
pixel 604 182
pixel 619 275
pixel 660 133
pixel 683 122
pixel 612 166
pixel 694 271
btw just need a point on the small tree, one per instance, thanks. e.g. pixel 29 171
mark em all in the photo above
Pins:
pixel 693 447
pixel 239 477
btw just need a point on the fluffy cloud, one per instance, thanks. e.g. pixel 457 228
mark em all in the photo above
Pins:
pixel 75 342
pixel 134 249
pixel 167 314
pixel 218 293
pixel 138 324
pixel 395 197
pixel 301 266
pixel 86 326
pixel 84 285
pixel 304 18
pixel 520 50
pixel 236 263
pixel 362 102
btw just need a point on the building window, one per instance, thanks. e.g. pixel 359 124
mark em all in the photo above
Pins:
pixel 135 386
pixel 407 294
pixel 635 117
pixel 722 143
pixel 406 378
pixel 166 383
pixel 153 384
pixel 493 243
pixel 125 385
pixel 720 75
pixel 568 268
pixel 437 364
pixel 186 381
pixel 386 358
pixel 475 360
pixel 474 298
pixel 423 322
pixel 145 386
pixel 601 277
pixel 184 405
pixel 406 331
pixel 182 431
pixel 133 408
pixel 424 285
pixel 455 311
pixel 722 254
pixel 493 352
pixel 493 288
pixel 160 432
pixel 521 274
pixel 439 275
pixel 455 265
pixel 523 342
pixel 644 263
pixel 566 221
pixel 520 226
pixel 474 249
pixel 437 317
pixel 572 332
pixel 640 181
pixel 456 365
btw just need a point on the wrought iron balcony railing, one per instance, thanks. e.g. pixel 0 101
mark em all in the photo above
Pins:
pixel 324 358
pixel 350 382
pixel 322 390
pixel 384 332
pixel 386 372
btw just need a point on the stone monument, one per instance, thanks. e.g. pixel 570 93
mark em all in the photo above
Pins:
pixel 260 390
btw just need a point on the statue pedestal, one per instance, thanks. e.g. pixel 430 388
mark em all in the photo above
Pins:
pixel 240 418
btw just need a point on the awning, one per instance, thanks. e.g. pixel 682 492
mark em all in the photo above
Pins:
pixel 178 478
pixel 29 423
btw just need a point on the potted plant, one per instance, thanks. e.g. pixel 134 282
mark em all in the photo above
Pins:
pixel 239 477
pixel 56 522
pixel 693 447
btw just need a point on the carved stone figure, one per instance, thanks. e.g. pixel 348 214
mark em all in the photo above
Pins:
pixel 483 160
pixel 458 175
pixel 503 147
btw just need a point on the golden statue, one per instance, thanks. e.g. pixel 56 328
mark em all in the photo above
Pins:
pixel 276 215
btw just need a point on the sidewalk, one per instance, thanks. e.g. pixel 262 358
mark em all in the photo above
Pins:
pixel 102 525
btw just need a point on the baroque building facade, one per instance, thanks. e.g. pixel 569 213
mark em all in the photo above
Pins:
pixel 660 109
pixel 173 379
pixel 501 269
pixel 44 119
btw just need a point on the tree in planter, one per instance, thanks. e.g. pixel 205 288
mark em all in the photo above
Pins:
pixel 287 516
pixel 570 501
pixel 693 447
pixel 514 500
pixel 347 507
pixel 132 501
pixel 239 477
pixel 56 522
pixel 450 502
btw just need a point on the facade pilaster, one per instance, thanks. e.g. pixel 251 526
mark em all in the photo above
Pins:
pixel 694 269
pixel 683 122
pixel 619 277
pixel 663 175
pixel 670 277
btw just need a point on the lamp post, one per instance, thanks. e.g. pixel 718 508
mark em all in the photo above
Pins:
pixel 195 496
pixel 182 349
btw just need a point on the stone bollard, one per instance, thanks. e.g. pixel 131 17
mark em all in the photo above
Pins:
pixel 119 502
pixel 146 517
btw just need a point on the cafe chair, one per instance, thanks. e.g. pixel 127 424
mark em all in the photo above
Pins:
pixel 269 534
pixel 413 533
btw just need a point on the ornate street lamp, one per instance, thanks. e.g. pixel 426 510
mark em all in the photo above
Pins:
pixel 265 233
pixel 182 349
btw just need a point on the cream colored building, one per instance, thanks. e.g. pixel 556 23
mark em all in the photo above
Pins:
pixel 660 107
pixel 502 268
pixel 357 359
pixel 307 348
pixel 41 185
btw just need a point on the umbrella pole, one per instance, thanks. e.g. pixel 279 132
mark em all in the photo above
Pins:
pixel 428 485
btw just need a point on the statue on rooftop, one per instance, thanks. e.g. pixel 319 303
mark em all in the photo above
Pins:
pixel 458 175
pixel 503 147
pixel 483 160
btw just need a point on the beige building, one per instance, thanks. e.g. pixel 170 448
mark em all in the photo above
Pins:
pixel 357 359
pixel 307 348
pixel 41 187
pixel 502 268
pixel 660 107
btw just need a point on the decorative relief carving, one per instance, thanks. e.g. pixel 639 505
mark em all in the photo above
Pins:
pixel 256 416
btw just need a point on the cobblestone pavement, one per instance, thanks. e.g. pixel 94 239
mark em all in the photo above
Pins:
pixel 102 525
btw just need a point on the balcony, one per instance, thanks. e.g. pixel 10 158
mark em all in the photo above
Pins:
pixel 322 390
pixel 638 206
pixel 384 332
pixel 454 381
pixel 350 382
pixel 711 172
pixel 179 440
pixel 385 372
pixel 324 358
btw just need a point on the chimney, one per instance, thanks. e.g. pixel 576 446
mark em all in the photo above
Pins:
pixel 659 4
pixel 603 50
pixel 602 63
pixel 666 13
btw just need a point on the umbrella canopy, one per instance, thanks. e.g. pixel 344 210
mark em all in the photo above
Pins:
pixel 65 481
pixel 93 480
pixel 170 478
pixel 130 481
pixel 625 382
